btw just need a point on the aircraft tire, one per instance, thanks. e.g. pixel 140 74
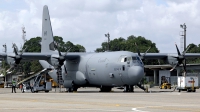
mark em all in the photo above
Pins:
pixel 105 89
pixel 75 89
pixel 46 91
pixel 126 88
pixel 70 90
pixel 131 88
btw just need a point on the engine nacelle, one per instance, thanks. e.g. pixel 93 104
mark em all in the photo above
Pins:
pixel 68 83
pixel 10 61
pixel 171 60
pixel 54 61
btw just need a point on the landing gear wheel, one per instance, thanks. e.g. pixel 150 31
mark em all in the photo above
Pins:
pixel 126 88
pixel 75 89
pixel 105 89
pixel 46 91
pixel 70 90
pixel 131 88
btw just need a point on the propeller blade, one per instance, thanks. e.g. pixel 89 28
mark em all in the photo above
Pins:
pixel 174 67
pixel 23 51
pixel 146 51
pixel 137 49
pixel 15 49
pixel 184 66
pixel 68 50
pixel 56 46
pixel 186 50
pixel 65 69
pixel 178 50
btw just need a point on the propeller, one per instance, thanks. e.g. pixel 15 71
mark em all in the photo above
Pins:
pixel 180 58
pixel 61 58
pixel 141 56
pixel 18 55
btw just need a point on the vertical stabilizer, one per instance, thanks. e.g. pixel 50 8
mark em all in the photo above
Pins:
pixel 47 34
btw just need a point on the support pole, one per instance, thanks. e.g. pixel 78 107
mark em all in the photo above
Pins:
pixel 155 76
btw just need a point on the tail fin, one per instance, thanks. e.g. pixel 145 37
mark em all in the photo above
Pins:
pixel 47 34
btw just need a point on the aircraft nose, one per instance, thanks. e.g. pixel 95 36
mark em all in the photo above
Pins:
pixel 135 74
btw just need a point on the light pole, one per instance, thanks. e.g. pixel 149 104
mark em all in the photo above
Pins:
pixel 108 36
pixel 4 71
pixel 184 35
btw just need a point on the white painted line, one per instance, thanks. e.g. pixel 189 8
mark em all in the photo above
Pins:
pixel 135 109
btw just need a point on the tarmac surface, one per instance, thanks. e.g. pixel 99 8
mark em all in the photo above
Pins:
pixel 91 100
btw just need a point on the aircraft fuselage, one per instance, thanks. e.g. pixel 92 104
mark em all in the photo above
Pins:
pixel 103 69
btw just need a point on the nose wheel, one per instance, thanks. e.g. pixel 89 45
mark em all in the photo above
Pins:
pixel 128 88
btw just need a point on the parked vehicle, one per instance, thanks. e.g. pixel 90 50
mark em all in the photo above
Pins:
pixel 188 83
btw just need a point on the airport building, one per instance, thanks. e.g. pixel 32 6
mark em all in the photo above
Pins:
pixel 154 73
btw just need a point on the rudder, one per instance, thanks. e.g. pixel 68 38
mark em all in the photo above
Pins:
pixel 47 34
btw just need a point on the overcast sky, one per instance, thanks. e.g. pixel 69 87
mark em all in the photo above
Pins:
pixel 86 21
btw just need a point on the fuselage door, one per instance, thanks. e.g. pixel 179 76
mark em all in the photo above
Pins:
pixel 124 65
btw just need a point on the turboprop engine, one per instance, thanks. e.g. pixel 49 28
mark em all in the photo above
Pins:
pixel 56 60
pixel 11 61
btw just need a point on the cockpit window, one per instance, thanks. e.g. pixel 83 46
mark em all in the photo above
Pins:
pixel 137 60
pixel 134 58
pixel 125 59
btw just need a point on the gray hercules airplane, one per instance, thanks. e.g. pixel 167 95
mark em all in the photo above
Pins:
pixel 104 70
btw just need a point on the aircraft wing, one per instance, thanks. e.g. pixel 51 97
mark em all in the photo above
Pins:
pixel 3 55
pixel 169 66
pixel 158 66
pixel 39 56
pixel 192 55
pixel 165 55
pixel 155 55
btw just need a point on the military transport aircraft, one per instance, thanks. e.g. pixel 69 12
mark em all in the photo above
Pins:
pixel 104 70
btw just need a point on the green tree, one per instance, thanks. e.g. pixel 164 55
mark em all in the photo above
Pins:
pixel 121 44
pixel 193 49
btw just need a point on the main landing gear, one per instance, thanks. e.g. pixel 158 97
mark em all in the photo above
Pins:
pixel 128 88
pixel 105 89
